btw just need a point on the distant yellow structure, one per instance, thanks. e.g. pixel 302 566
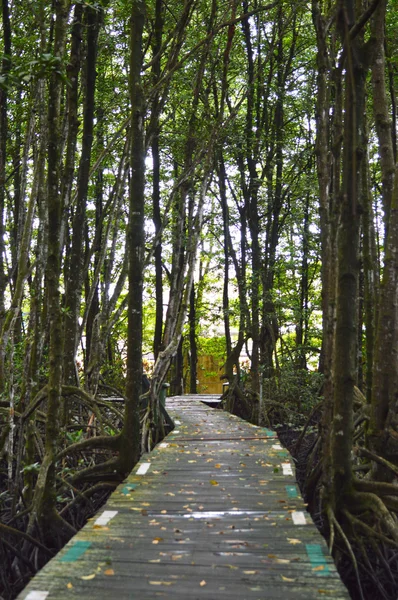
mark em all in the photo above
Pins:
pixel 209 371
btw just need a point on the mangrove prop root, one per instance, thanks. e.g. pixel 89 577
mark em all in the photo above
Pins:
pixel 17 533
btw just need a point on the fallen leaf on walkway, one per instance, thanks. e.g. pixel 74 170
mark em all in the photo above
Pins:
pixel 88 577
pixel 109 572
pixel 69 586
pixel 157 540
pixel 294 541
pixel 213 482
pixel 161 582
pixel 287 578
pixel 250 572
pixel 202 583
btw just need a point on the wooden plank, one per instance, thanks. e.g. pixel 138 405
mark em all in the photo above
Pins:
pixel 213 512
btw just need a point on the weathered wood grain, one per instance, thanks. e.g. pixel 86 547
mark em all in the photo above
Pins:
pixel 214 512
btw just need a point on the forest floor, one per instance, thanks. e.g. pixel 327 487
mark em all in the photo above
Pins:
pixel 17 564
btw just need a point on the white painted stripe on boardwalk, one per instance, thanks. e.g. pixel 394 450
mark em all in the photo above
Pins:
pixel 37 595
pixel 299 518
pixel 287 469
pixel 277 447
pixel 106 516
pixel 142 469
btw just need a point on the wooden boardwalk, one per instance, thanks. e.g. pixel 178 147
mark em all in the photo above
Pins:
pixel 212 513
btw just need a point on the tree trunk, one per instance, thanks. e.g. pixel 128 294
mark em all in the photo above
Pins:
pixel 193 359
pixel 130 450
pixel 43 510
pixel 381 109
pixel 75 276
pixel 156 182
pixel 5 69
pixel 346 337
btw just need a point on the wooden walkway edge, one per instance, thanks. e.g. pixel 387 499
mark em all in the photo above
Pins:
pixel 212 513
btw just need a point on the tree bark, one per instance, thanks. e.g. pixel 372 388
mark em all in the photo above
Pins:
pixel 130 450
pixel 75 276
pixel 5 69
pixel 43 510
pixel 346 337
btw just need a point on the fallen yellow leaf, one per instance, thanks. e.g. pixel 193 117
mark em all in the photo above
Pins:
pixel 69 586
pixel 202 583
pixel 88 577
pixel 250 572
pixel 287 578
pixel 109 572
pixel 320 568
pixel 294 541
pixel 161 582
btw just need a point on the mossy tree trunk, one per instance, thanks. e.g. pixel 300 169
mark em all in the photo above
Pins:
pixel 5 69
pixel 329 109
pixel 75 275
pixel 130 447
pixel 43 508
pixel 346 335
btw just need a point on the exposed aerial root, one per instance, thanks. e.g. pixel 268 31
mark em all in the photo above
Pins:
pixel 334 522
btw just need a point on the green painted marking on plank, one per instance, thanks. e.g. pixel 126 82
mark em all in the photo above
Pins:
pixel 291 491
pixel 76 551
pixel 270 433
pixel 130 487
pixel 317 559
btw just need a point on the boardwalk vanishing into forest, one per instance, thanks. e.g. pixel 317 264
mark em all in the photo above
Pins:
pixel 213 512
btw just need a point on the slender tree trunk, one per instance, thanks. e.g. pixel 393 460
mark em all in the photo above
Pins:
pixel 327 150
pixel 73 71
pixel 75 276
pixel 225 212
pixel 251 199
pixel 302 326
pixel 43 511
pixel 381 109
pixel 346 338
pixel 193 359
pixel 131 429
pixel 371 277
pixel 156 182
pixel 5 69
